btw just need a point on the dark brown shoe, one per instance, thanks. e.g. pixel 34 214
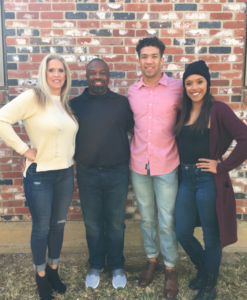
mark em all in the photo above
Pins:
pixel 170 286
pixel 147 273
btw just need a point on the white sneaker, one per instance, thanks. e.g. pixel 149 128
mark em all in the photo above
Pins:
pixel 93 278
pixel 119 279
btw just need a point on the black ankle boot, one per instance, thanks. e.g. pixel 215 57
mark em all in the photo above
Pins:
pixel 208 291
pixel 197 282
pixel 54 280
pixel 45 291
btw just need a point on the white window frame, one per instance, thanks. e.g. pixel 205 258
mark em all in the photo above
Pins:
pixel 3 75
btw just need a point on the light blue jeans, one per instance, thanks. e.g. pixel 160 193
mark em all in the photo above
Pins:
pixel 163 189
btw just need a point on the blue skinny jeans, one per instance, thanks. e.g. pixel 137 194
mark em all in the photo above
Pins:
pixel 48 195
pixel 196 199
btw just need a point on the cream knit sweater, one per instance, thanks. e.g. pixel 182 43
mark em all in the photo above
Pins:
pixel 51 131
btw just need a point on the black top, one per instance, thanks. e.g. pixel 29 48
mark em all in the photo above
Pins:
pixel 192 145
pixel 104 120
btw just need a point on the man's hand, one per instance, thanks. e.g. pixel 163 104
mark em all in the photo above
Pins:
pixel 208 165
pixel 30 154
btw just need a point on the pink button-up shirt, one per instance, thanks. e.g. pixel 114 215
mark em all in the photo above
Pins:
pixel 155 112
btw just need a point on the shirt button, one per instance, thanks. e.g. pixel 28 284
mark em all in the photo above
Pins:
pixel 149 143
pixel 151 92
pixel 149 130
pixel 149 117
pixel 150 104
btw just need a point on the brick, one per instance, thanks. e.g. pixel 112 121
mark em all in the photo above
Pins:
pixel 217 50
pixel 134 75
pixel 29 66
pixel 76 82
pixel 75 15
pixel 210 7
pixel 100 32
pixel 171 15
pixel 63 6
pixel 184 58
pixel 220 33
pixel 240 16
pixel 88 24
pixel 178 41
pixel 124 83
pixel 10 49
pixel 192 50
pixel 219 82
pixel 88 41
pixel 136 25
pixel 13 203
pixel 17 41
pixel 75 32
pixel 231 75
pixel 52 15
pixel 112 7
pixel 238 50
pixel 184 7
pixel 113 58
pixel 16 24
pixel 27 32
pixel 6 175
pixel 196 33
pixel 15 6
pixel 147 16
pixel 17 58
pixel 64 24
pixel 12 189
pixel 131 58
pixel 11 66
pixel 136 7
pixel 239 32
pixel 237 67
pixel 123 32
pixel 160 24
pixel 40 24
pixel 51 32
pixel 236 82
pixel 196 16
pixel 39 7
pixel 219 67
pixel 145 33
pixel 99 50
pixel 112 41
pixel 53 49
pixel 76 49
pixel 209 58
pixel 22 210
pixel 207 42
pixel 161 7
pixel 40 41
pixel 9 32
pixel 123 16
pixel 174 50
pixel 235 24
pixel 11 82
pixel 27 15
pixel 100 15
pixel 28 49
pixel 209 25
pixel 13 218
pixel 222 98
pixel 6 182
pixel 236 98
pixel 112 24
pixel 172 33
pixel 64 41
pixel 75 217
pixel 77 66
pixel 124 50
pixel 221 16
pixel 9 15
pixel 234 7
pixel 124 67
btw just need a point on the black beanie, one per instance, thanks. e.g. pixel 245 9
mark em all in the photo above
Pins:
pixel 198 67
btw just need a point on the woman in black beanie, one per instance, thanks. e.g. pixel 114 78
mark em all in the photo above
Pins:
pixel 204 132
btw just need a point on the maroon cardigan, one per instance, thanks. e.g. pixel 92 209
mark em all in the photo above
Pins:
pixel 225 127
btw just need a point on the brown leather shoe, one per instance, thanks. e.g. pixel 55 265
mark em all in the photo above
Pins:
pixel 170 285
pixel 147 273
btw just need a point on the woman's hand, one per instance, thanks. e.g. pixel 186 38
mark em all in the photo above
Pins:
pixel 208 165
pixel 30 154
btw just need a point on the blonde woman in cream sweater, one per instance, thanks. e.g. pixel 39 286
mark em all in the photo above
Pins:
pixel 48 174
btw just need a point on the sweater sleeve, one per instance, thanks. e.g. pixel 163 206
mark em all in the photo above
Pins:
pixel 238 131
pixel 21 108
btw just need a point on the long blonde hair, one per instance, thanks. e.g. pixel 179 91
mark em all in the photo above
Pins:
pixel 43 91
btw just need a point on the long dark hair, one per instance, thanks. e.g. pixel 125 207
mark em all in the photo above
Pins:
pixel 202 120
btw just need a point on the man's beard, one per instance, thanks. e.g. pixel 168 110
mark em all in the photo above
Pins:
pixel 98 89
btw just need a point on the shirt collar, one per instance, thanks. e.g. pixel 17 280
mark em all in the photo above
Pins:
pixel 163 80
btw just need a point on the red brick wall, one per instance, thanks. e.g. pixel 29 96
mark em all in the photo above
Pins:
pixel 212 30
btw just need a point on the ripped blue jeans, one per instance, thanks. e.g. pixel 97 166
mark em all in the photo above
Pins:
pixel 48 195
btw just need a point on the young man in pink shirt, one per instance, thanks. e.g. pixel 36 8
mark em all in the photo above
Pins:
pixel 155 101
